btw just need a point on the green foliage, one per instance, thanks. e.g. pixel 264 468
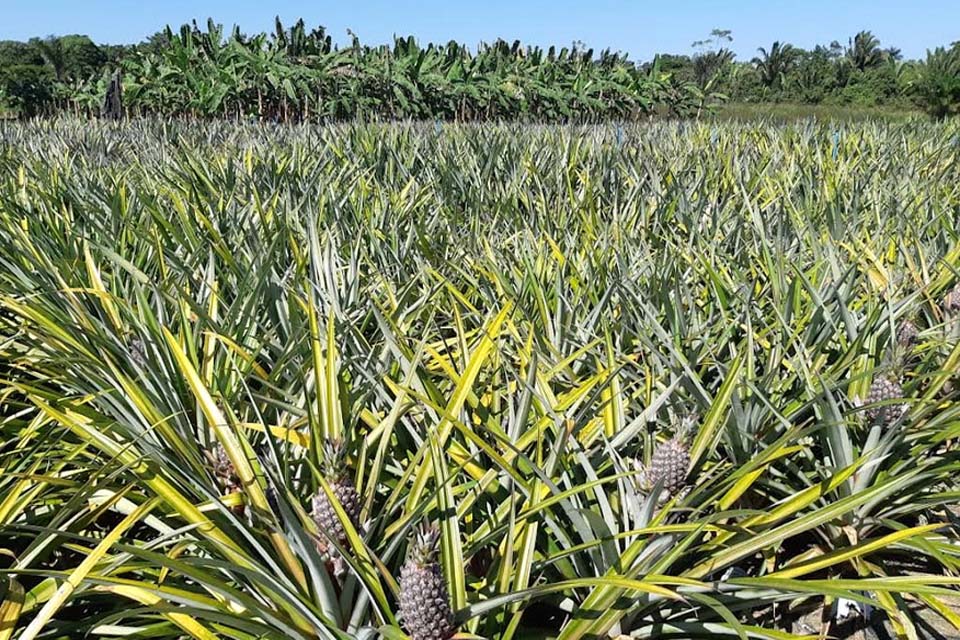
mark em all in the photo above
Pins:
pixel 44 76
pixel 814 77
pixel 862 74
pixel 502 321
pixel 83 59
pixel 864 52
pixel 787 112
pixel 291 74
pixel 773 65
pixel 13 53
pixel 712 58
pixel 298 74
pixel 27 88
pixel 875 86
pixel 938 86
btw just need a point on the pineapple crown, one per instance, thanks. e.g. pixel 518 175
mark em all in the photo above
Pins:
pixel 424 548
pixel 895 361
pixel 683 425
pixel 334 459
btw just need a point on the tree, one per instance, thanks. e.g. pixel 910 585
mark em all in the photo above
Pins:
pixel 774 64
pixel 82 58
pixel 864 52
pixel 295 73
pixel 814 76
pixel 711 57
pixel 71 58
pixel 16 53
pixel 51 49
pixel 938 87
pixel 27 88
pixel 157 42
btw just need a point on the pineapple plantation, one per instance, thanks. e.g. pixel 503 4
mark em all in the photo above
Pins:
pixel 681 380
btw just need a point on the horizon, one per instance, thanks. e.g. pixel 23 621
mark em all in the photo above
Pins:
pixel 639 32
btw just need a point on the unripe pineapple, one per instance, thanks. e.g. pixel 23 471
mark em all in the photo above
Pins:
pixel 670 463
pixel 342 487
pixel 226 475
pixel 907 334
pixel 223 469
pixel 884 390
pixel 951 302
pixel 424 602
pixel 946 389
pixel 138 352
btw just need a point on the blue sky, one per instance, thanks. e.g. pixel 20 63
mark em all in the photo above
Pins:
pixel 639 28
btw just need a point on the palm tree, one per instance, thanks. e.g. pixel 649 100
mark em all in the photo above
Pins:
pixel 893 54
pixel 51 49
pixel 864 52
pixel 938 85
pixel 711 57
pixel 773 65
pixel 708 65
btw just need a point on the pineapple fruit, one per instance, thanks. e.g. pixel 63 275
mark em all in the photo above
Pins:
pixel 883 390
pixel 670 463
pixel 907 334
pixel 226 475
pixel 887 387
pixel 138 352
pixel 224 470
pixel 951 301
pixel 343 489
pixel 424 602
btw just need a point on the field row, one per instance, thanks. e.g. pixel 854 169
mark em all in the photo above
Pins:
pixel 523 382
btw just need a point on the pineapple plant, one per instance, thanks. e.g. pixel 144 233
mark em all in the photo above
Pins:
pixel 342 486
pixel 424 602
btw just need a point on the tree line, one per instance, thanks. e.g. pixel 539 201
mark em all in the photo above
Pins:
pixel 861 72
pixel 296 74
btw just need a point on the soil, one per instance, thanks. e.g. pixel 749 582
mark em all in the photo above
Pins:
pixel 929 625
